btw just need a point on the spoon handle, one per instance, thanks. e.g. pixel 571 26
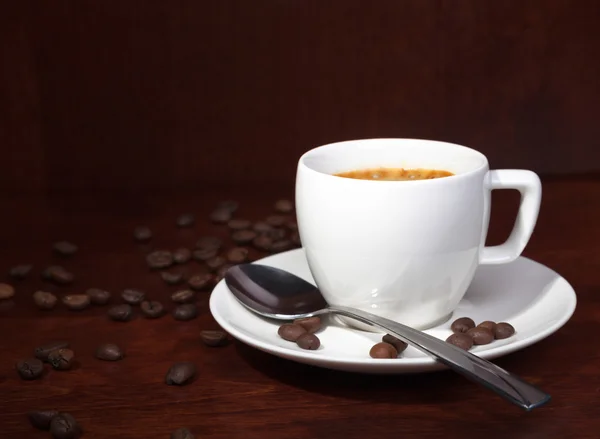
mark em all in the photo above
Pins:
pixel 472 367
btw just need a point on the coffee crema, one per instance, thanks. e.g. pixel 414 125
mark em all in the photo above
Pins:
pixel 395 174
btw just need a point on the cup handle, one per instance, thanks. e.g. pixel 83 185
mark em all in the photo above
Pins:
pixel 530 187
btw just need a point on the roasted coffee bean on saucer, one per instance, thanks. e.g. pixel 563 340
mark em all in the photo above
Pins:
pixel 503 330
pixel 187 311
pixel 41 419
pixel 42 352
pixel 159 259
pixel 291 331
pixel 121 313
pixel 172 277
pixel 98 296
pixel 132 296
pixel 309 342
pixel 461 340
pixel 6 291
pixel 65 426
pixel 311 324
pixel 20 272
pixel 185 220
pixel 109 352
pixel 65 248
pixel 30 369
pixel 180 374
pixel 61 359
pixel 200 281
pixel 152 309
pixel 383 350
pixel 213 338
pixel 480 335
pixel 462 324
pixel 489 325
pixel 76 302
pixel 396 342
pixel 182 433
pixel 182 255
pixel 142 234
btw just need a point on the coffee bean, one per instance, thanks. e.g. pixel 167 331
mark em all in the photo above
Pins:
pixel 109 352
pixel 213 264
pixel 133 297
pixel 276 234
pixel 242 237
pixel 462 324
pixel 187 311
pixel 65 248
pixel 504 330
pixel 262 227
pixel 61 359
pixel 311 324
pixel 76 302
pixel 6 291
pixel 98 296
pixel 398 344
pixel 295 238
pixel 275 220
pixel 209 243
pixel 182 433
pixel 280 246
pixel 383 350
pixel 204 254
pixel 152 309
pixel 239 224
pixel 30 369
pixel 489 325
pixel 183 296
pixel 480 335
pixel 221 273
pixel 262 242
pixel 213 338
pixel 284 206
pixel 291 331
pixel 292 226
pixel 229 205
pixel 172 278
pixel 64 426
pixel 57 274
pixel 121 313
pixel 309 342
pixel 42 352
pixel 20 271
pixel 180 374
pixel 220 216
pixel 185 220
pixel 461 340
pixel 41 419
pixel 200 281
pixel 142 234
pixel 182 255
pixel 237 255
pixel 159 259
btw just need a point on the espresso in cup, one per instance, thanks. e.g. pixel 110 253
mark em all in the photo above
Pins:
pixel 404 250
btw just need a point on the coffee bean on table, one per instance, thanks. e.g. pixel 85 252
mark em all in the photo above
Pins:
pixel 6 291
pixel 462 324
pixel 180 374
pixel 262 227
pixel 185 220
pixel 276 233
pixel 209 243
pixel 133 297
pixel 76 302
pixel 239 224
pixel 291 331
pixel 242 237
pixel 42 352
pixel 262 242
pixel 383 350
pixel 159 259
pixel 220 216
pixel 65 426
pixel 41 419
pixel 237 255
pixel 98 296
pixel 480 335
pixel 121 313
pixel 213 338
pixel 200 281
pixel 311 324
pixel 61 359
pixel 58 275
pixel 504 330
pixel 213 264
pixel 142 233
pixel 280 246
pixel 275 220
pixel 152 309
pixel 398 344
pixel 20 271
pixel 284 206
pixel 204 254
pixel 182 433
pixel 109 352
pixel 183 296
pixel 30 369
pixel 229 205
pixel 187 311
pixel 182 255
pixel 309 342
pixel 172 278
pixel 461 340
pixel 65 248
pixel 489 325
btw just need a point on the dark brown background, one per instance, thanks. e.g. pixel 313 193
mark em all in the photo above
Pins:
pixel 133 95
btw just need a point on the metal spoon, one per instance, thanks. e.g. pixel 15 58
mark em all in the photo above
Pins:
pixel 278 294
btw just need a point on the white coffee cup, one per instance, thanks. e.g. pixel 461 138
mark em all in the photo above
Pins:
pixel 405 250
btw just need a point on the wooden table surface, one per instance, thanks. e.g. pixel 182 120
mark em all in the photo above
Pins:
pixel 241 392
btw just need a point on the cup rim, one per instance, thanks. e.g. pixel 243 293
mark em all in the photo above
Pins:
pixel 312 151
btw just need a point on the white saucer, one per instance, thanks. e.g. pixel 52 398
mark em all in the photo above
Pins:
pixel 533 298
